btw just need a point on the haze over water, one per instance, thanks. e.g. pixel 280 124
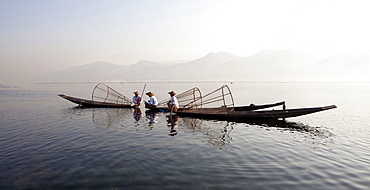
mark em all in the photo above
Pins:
pixel 48 143
pixel 40 37
pixel 53 47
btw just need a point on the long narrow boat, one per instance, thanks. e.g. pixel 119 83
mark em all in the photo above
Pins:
pixel 102 96
pixel 220 105
pixel 230 113
pixel 193 98
pixel 90 103
pixel 251 107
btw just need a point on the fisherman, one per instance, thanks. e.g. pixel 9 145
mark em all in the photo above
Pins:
pixel 173 104
pixel 136 99
pixel 153 102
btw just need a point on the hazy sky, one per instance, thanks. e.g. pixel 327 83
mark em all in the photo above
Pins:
pixel 38 36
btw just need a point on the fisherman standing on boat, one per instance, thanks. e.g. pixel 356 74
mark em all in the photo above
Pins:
pixel 153 102
pixel 136 99
pixel 173 104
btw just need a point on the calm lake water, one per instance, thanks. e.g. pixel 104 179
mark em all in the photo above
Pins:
pixel 48 143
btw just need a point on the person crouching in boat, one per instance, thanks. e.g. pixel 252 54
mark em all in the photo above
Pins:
pixel 153 102
pixel 173 104
pixel 136 99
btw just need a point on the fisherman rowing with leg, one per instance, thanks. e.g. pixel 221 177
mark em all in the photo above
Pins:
pixel 173 104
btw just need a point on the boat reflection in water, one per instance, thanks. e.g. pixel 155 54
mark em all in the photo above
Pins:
pixel 151 116
pixel 137 114
pixel 215 132
pixel 172 122
pixel 113 118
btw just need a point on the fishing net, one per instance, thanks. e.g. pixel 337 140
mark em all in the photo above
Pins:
pixel 221 97
pixel 106 94
pixel 191 98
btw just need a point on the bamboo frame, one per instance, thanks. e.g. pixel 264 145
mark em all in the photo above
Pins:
pixel 118 98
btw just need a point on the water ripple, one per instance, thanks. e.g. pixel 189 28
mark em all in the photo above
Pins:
pixel 47 143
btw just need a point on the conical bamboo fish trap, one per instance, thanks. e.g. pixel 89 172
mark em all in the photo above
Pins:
pixel 191 98
pixel 104 93
pixel 221 97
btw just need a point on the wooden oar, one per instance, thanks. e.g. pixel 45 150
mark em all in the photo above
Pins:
pixel 142 94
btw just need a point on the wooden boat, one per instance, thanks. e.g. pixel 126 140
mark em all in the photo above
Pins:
pixel 193 98
pixel 102 96
pixel 90 103
pixel 251 107
pixel 220 105
pixel 230 113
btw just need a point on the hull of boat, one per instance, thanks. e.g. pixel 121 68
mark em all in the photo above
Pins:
pixel 155 108
pixel 90 103
pixel 229 113
pixel 237 108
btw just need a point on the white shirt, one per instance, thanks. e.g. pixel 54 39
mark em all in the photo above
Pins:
pixel 153 101
pixel 174 102
pixel 136 99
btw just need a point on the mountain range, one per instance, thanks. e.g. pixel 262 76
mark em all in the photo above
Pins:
pixel 265 66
